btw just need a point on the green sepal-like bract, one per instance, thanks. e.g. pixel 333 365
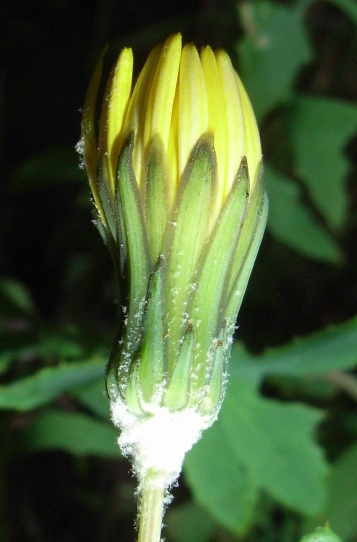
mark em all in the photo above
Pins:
pixel 212 279
pixel 136 273
pixel 250 239
pixel 156 197
pixel 179 384
pixel 151 355
pixel 183 281
pixel 185 239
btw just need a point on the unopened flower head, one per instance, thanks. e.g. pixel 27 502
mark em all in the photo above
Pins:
pixel 174 164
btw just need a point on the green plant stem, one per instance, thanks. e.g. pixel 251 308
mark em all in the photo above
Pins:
pixel 151 509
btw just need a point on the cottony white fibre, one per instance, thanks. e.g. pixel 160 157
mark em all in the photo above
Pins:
pixel 158 441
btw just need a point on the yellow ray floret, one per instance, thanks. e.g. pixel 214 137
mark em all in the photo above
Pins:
pixel 118 100
pixel 192 104
pixel 235 145
pixel 216 120
pixel 178 97
pixel 162 94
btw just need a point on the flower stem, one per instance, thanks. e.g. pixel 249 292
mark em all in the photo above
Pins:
pixel 151 511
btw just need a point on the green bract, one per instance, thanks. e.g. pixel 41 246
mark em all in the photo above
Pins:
pixel 175 172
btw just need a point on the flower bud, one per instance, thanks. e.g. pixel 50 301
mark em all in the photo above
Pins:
pixel 174 165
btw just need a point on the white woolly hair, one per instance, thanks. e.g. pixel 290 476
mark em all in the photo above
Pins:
pixel 158 441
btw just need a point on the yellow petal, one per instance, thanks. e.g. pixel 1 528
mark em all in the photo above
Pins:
pixel 135 117
pixel 159 108
pixel 234 118
pixel 117 105
pixel 172 153
pixel 252 139
pixel 216 121
pixel 193 110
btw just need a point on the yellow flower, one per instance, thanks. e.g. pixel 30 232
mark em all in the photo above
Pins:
pixel 174 164
pixel 178 97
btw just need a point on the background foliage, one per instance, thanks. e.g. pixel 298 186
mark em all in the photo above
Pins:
pixel 282 457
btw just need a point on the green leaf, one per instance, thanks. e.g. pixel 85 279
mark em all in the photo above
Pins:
pixel 342 501
pixel 320 128
pixel 48 383
pixel 348 6
pixel 221 483
pixel 71 432
pixel 310 389
pixel 273 50
pixel 257 443
pixel 15 298
pixel 6 359
pixel 274 441
pixel 189 522
pixel 57 345
pixel 19 345
pixel 323 351
pixel 11 349
pixel 292 223
pixel 56 165
pixel 94 397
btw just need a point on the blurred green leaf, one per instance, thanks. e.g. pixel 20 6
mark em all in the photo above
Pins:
pixel 188 522
pixel 57 344
pixel 5 360
pixel 48 383
pixel 24 345
pixel 349 7
pixel 292 223
pixel 273 50
pixel 71 432
pixel 320 128
pixel 219 481
pixel 14 297
pixel 8 356
pixel 275 442
pixel 94 397
pixel 342 503
pixel 309 388
pixel 332 348
pixel 55 165
pixel 257 443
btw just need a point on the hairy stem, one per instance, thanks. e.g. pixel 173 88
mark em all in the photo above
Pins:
pixel 152 503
